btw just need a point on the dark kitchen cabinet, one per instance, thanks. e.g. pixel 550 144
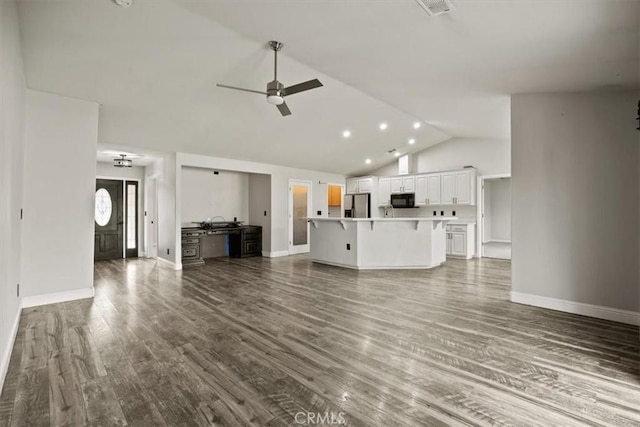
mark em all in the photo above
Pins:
pixel 247 243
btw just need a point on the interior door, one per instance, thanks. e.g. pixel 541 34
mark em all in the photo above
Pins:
pixel 299 210
pixel 108 217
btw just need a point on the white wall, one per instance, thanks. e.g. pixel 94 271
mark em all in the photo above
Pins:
pixel 163 171
pixel 206 195
pixel 488 156
pixel 498 219
pixel 59 187
pixel 575 197
pixel 12 118
pixel 135 173
pixel 259 203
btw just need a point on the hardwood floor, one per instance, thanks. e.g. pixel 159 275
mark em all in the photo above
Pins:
pixel 264 342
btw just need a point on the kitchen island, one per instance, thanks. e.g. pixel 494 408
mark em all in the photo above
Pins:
pixel 379 243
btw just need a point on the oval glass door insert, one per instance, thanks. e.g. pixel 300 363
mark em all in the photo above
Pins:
pixel 103 207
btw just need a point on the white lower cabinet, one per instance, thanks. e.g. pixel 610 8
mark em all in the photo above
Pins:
pixel 461 240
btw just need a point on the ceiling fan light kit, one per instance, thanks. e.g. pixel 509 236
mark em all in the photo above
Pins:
pixel 276 91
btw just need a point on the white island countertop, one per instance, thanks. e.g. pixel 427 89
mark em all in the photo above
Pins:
pixel 379 243
pixel 424 218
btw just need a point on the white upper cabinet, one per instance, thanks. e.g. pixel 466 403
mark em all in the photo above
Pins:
pixel 448 190
pixel 403 184
pixel 433 189
pixel 364 185
pixel 463 188
pixel 458 188
pixel 396 185
pixel 408 184
pixel 384 191
pixel 352 185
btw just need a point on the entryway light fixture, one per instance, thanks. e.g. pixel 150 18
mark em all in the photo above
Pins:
pixel 123 3
pixel 123 162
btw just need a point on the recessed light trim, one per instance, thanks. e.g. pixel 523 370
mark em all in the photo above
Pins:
pixel 346 134
pixel 417 125
pixel 383 126
pixel 412 141
pixel 397 154
pixel 368 161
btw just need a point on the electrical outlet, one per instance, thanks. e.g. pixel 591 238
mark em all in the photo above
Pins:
pixel 348 246
pixel 319 213
pixel 435 213
pixel 453 213
pixel 265 213
pixel 441 213
pixel 168 251
pixel 216 173
pixel 21 213
pixel 18 290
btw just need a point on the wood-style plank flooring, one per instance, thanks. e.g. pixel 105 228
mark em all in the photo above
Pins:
pixel 258 341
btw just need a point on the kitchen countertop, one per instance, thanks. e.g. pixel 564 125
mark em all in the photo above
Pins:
pixel 462 221
pixel 383 219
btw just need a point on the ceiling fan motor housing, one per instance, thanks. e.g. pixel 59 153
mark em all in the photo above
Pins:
pixel 275 93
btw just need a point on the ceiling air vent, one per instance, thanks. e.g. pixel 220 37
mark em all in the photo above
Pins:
pixel 436 7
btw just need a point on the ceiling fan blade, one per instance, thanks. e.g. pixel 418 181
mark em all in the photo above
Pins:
pixel 284 109
pixel 242 89
pixel 301 87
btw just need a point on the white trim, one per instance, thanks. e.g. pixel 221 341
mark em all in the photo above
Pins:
pixel 275 254
pixel 377 267
pixel 169 264
pixel 57 297
pixel 306 248
pixel 480 207
pixel 597 311
pixel 6 357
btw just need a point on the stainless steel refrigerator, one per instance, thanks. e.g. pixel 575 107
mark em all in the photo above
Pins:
pixel 357 205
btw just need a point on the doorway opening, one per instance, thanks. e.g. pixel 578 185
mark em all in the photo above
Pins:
pixel 494 217
pixel 299 211
pixel 335 200
pixel 116 219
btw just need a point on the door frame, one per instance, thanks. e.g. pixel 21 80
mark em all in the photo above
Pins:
pixel 151 216
pixel 299 249
pixel 480 210
pixel 342 193
pixel 140 206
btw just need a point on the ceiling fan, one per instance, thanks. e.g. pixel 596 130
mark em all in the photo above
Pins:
pixel 275 90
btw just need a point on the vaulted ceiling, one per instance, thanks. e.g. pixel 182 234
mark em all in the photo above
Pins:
pixel 153 68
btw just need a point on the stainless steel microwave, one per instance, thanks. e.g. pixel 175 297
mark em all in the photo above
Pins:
pixel 403 200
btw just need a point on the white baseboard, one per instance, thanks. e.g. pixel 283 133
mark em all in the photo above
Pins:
pixel 6 357
pixel 56 297
pixel 597 311
pixel 169 264
pixel 275 254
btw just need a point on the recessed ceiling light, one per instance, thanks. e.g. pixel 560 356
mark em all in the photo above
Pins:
pixel 368 161
pixel 397 154
pixel 417 125
pixel 346 133
pixel 123 3
pixel 412 141
pixel 383 126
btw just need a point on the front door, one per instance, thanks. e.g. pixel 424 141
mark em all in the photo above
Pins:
pixel 108 219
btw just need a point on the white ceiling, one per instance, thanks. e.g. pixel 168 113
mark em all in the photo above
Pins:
pixel 154 66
